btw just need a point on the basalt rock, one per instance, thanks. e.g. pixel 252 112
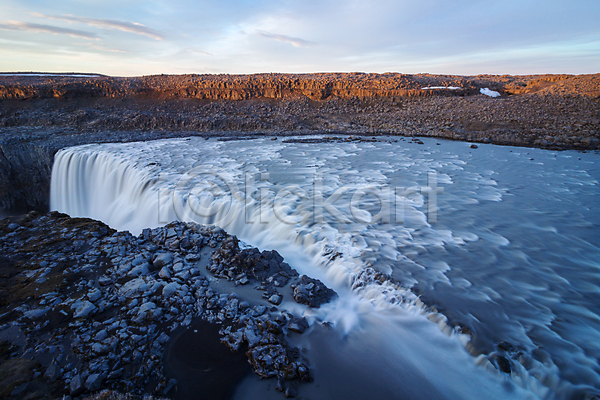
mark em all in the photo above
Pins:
pixel 24 177
pixel 250 265
pixel 312 292
pixel 79 321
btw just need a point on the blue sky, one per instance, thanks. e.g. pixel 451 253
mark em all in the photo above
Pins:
pixel 224 36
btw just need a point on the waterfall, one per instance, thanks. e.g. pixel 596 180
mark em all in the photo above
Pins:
pixel 133 192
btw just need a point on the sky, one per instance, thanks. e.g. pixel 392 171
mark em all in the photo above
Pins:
pixel 132 38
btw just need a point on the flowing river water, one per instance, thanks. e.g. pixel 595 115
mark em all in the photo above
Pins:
pixel 462 273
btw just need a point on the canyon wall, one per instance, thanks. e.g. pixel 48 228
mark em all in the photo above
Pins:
pixel 283 86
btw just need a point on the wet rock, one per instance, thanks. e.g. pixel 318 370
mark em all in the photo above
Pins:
pixel 297 325
pixel 266 360
pixel 502 364
pixel 275 299
pixel 290 392
pixel 140 270
pixel 249 265
pixel 312 292
pixel 134 288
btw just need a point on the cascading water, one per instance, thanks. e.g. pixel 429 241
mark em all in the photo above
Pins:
pixel 357 214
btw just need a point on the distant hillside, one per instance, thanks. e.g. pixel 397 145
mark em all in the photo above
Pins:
pixel 285 86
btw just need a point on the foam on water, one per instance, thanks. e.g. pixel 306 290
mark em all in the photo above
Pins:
pixel 495 260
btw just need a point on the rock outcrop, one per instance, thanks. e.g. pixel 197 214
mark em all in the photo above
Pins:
pixel 85 308
pixel 25 177
pixel 283 86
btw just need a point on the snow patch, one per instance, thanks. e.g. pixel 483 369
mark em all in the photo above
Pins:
pixel 441 87
pixel 488 92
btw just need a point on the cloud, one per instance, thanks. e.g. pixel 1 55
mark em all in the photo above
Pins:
pixel 126 26
pixel 27 26
pixel 296 42
pixel 471 36
pixel 103 48
pixel 199 52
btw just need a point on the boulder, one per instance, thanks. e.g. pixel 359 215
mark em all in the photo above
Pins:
pixel 77 386
pixel 312 292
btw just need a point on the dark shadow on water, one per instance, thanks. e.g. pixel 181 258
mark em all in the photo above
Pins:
pixel 204 368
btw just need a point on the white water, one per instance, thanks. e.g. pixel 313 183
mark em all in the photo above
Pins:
pixel 138 185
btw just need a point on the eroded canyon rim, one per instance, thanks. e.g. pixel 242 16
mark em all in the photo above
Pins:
pixel 40 114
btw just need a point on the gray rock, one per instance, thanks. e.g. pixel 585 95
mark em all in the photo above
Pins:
pixel 243 305
pixel 140 259
pixel 116 373
pixel 244 280
pixel 183 275
pixel 192 257
pixel 105 280
pixel 170 289
pixel 94 382
pixel 140 270
pixel 149 310
pixel 133 288
pixel 35 313
pixel 258 310
pixel 162 259
pixel 276 299
pixel 94 295
pixel 164 273
pixel 298 325
pixel 20 389
pixel 77 387
pixel 163 338
pixel 171 233
pixel 101 335
pixel 178 266
pixel 84 309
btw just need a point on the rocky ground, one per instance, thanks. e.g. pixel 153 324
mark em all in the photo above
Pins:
pixel 84 308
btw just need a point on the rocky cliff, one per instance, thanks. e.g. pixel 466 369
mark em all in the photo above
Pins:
pixel 224 87
pixel 24 177
pixel 284 86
